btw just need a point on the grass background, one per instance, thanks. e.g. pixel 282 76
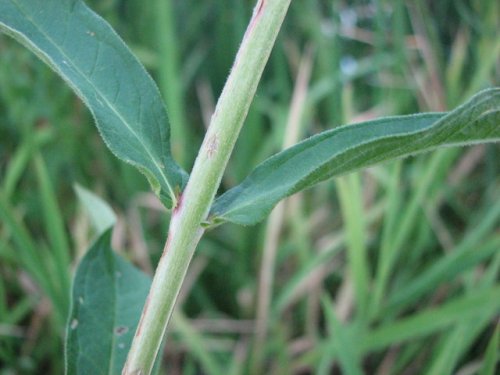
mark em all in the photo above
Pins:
pixel 391 270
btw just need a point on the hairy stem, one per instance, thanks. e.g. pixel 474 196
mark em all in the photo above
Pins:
pixel 186 226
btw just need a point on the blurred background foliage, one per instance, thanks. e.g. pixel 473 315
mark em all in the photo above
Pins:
pixel 392 270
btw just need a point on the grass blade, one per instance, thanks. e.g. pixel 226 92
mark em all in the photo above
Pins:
pixel 351 202
pixel 54 226
pixel 342 342
pixel 432 320
pixel 491 357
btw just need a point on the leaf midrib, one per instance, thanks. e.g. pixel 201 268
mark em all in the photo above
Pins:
pixel 114 110
pixel 263 194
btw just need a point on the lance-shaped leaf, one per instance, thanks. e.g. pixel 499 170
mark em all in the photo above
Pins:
pixel 107 299
pixel 101 215
pixel 348 148
pixel 125 102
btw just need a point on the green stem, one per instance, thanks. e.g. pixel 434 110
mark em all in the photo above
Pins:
pixel 186 226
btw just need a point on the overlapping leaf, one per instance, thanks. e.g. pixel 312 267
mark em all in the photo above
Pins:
pixel 348 148
pixel 101 215
pixel 85 51
pixel 108 295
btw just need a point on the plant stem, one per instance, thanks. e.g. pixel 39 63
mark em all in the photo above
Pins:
pixel 186 226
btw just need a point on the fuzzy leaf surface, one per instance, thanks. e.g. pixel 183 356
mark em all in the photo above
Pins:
pixel 352 147
pixel 107 299
pixel 86 52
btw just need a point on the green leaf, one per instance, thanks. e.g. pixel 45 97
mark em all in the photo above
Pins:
pixel 491 356
pixel 101 215
pixel 342 341
pixel 126 104
pixel 475 248
pixel 348 148
pixel 108 295
pixel 470 306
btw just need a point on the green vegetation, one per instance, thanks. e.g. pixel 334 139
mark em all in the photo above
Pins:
pixel 388 270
